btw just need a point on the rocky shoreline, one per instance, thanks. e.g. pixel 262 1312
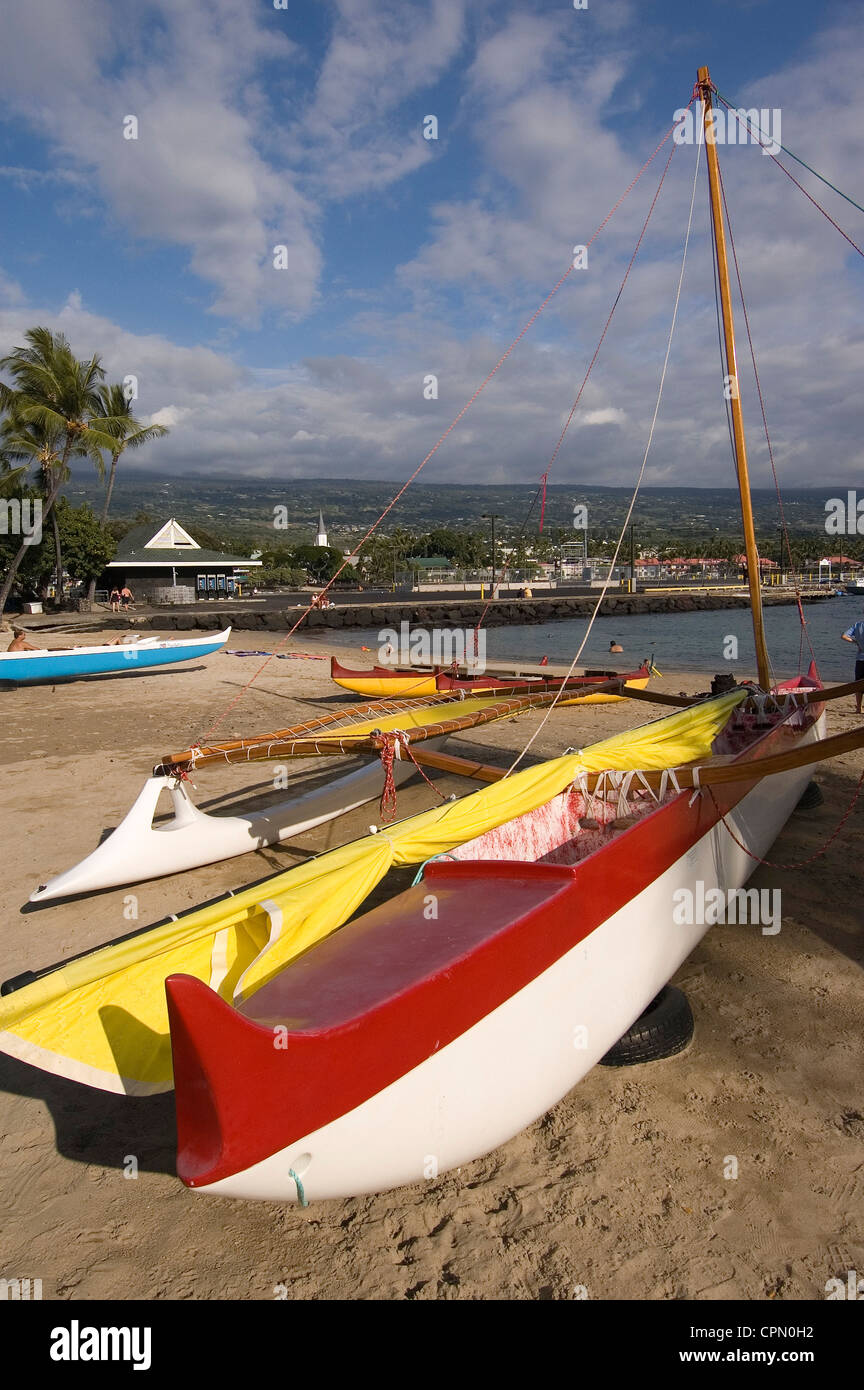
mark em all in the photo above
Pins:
pixel 450 612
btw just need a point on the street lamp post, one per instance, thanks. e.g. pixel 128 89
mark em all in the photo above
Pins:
pixel 491 516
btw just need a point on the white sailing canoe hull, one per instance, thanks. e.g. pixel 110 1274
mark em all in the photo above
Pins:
pixel 521 1059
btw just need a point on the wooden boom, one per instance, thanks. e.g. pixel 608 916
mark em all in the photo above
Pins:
pixel 696 775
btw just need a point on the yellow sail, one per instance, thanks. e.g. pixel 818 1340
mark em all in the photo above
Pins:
pixel 102 1019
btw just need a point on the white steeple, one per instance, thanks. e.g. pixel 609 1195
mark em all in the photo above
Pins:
pixel 321 538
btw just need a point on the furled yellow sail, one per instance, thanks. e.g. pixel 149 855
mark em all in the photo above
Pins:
pixel 102 1019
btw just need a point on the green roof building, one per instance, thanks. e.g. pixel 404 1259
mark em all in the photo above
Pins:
pixel 149 563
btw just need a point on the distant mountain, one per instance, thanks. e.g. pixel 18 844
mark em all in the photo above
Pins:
pixel 246 507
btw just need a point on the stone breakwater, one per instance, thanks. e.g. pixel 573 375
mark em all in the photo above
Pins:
pixel 447 613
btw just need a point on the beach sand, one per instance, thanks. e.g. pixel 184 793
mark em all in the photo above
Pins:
pixel 621 1190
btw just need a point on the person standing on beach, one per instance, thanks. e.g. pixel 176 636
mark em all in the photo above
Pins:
pixel 855 634
pixel 126 598
pixel 19 642
pixel 115 600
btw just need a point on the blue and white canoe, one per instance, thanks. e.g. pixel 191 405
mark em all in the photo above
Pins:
pixel 69 663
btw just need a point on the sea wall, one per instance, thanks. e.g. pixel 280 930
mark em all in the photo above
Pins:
pixel 452 613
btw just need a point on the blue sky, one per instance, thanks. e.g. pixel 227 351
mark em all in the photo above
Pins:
pixel 303 127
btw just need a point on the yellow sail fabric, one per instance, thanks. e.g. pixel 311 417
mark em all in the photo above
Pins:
pixel 102 1019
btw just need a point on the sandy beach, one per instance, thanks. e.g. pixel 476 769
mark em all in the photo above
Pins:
pixel 618 1191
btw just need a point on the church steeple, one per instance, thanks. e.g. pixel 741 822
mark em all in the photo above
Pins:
pixel 321 537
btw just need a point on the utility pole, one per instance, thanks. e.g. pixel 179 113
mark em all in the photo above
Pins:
pixel 632 588
pixel 491 516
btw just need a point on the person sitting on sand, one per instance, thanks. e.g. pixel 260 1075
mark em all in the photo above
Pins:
pixel 855 634
pixel 615 647
pixel 19 642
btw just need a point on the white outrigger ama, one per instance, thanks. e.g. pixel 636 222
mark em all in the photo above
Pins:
pixel 139 849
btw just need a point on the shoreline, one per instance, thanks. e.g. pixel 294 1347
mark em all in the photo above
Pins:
pixel 454 611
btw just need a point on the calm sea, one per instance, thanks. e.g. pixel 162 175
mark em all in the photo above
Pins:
pixel 684 641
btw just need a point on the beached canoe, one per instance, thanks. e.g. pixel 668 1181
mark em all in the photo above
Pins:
pixel 435 1027
pixel 384 682
pixel 70 663
pixel 379 682
pixel 474 684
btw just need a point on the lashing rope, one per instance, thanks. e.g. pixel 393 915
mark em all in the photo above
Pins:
pixel 395 745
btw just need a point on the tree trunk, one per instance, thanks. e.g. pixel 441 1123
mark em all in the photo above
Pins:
pixel 115 459
pixel 22 551
pixel 58 559
pixel 46 511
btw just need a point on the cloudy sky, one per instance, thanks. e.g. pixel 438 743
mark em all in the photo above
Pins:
pixel 303 128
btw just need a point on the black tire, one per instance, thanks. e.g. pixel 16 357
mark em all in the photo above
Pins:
pixel 665 1028
pixel 811 797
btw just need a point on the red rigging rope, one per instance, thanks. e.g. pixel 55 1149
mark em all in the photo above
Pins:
pixel 803 620
pixel 591 364
pixel 388 753
pixel 801 863
pixel 789 175
pixel 466 407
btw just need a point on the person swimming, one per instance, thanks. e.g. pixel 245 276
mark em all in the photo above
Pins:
pixel 615 647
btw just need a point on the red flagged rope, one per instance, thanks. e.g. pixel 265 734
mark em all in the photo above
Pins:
pixel 454 422
pixel 574 407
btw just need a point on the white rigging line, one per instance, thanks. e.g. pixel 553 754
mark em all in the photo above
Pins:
pixel 614 559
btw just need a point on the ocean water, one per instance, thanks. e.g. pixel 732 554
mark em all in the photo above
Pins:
pixel 683 641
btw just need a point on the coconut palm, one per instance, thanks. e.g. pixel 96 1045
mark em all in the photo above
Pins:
pixel 126 433
pixel 41 446
pixel 51 408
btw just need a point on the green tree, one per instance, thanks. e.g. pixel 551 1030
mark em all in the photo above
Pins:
pixel 319 562
pixel 50 410
pixel 87 543
pixel 126 433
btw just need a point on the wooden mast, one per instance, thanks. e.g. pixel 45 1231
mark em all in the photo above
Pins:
pixel 754 577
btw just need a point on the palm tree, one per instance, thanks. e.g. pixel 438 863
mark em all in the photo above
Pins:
pixel 50 408
pixel 40 445
pixel 126 433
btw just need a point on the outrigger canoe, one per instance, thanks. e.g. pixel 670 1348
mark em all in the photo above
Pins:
pixel 432 1029
pixel 69 663
pixel 406 681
